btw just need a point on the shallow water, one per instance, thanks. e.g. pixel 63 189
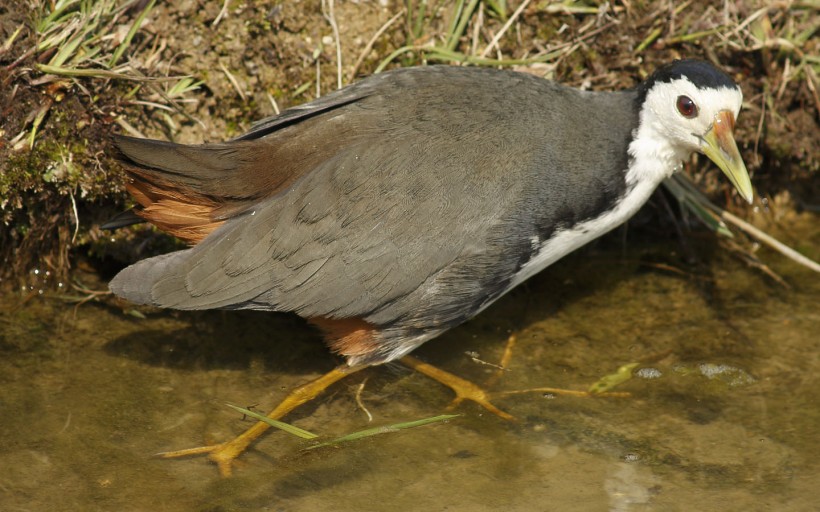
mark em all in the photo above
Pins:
pixel 723 413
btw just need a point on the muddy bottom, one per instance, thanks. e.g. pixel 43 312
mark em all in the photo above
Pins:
pixel 722 415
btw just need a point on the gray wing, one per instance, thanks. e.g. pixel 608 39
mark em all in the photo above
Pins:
pixel 419 219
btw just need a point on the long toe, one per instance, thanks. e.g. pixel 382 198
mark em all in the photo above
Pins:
pixel 464 389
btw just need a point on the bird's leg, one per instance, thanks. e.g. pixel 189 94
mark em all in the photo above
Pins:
pixel 504 364
pixel 464 389
pixel 224 454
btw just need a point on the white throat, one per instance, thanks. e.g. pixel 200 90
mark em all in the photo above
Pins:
pixel 652 157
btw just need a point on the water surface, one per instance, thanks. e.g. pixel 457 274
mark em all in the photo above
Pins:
pixel 723 411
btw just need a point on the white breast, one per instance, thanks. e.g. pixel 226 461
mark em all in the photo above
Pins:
pixel 565 241
pixel 652 160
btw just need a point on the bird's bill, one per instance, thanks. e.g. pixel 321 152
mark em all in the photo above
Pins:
pixel 719 145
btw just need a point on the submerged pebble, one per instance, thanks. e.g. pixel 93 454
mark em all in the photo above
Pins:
pixel 725 373
pixel 648 373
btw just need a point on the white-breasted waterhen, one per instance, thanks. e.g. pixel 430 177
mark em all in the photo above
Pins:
pixel 399 207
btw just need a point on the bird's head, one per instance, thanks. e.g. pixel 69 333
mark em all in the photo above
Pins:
pixel 693 106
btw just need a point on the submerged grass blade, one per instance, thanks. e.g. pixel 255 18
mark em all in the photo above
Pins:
pixel 290 429
pixel 608 382
pixel 384 430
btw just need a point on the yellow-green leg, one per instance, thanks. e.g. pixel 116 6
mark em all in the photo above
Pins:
pixel 464 389
pixel 225 454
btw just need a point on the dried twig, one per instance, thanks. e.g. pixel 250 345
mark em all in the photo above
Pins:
pixel 330 16
pixel 506 27
pixel 233 81
pixel 769 240
pixel 359 401
pixel 369 46
pixel 222 13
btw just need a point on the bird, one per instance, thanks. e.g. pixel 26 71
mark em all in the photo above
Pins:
pixel 396 208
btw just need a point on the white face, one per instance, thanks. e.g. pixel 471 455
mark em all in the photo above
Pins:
pixel 670 108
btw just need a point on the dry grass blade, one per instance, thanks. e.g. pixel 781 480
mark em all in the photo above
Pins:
pixel 128 128
pixel 10 40
pixel 754 262
pixel 713 216
pixel 234 82
pixel 767 239
pixel 692 36
pixel 222 13
pixel 360 402
pixel 506 27
pixel 443 55
pixel 330 15
pixel 101 73
pixel 369 46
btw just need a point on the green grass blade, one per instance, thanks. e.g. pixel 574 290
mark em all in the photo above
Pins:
pixel 183 86
pixel 417 18
pixel 384 430
pixel 499 7
pixel 50 20
pixel 290 429
pixel 651 38
pixel 464 18
pixel 10 40
pixel 127 41
pixel 690 198
pixel 693 36
pixel 459 8
pixel 67 50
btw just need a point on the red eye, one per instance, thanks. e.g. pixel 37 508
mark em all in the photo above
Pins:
pixel 687 107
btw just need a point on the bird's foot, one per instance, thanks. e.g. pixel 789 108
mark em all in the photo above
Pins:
pixel 221 454
pixel 464 389
pixel 224 455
